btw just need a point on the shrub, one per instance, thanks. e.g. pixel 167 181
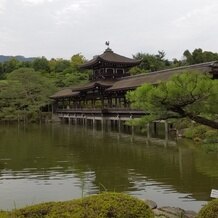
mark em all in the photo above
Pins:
pixel 210 210
pixel 4 214
pixel 211 135
pixel 188 133
pixel 104 205
pixel 198 132
pixel 182 123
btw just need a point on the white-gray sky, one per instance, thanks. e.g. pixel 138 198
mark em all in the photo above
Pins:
pixel 61 28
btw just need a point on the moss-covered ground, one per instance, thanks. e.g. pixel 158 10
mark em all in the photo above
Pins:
pixel 105 205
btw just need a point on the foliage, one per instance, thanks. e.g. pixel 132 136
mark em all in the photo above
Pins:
pixel 66 73
pixel 194 131
pixel 211 135
pixel 150 62
pixel 182 123
pixel 58 65
pixel 103 205
pixel 25 87
pixel 10 65
pixel 186 95
pixel 4 214
pixel 40 64
pixel 202 133
pixel 137 70
pixel 77 60
pixel 210 210
pixel 24 94
pixel 67 78
pixel 199 56
pixel 211 147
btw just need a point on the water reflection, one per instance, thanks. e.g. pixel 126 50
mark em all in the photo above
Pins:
pixel 60 162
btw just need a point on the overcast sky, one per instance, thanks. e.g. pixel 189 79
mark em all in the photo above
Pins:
pixel 61 28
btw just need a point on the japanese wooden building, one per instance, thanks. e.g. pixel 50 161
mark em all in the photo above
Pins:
pixel 103 97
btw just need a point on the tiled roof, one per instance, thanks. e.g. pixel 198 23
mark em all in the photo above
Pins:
pixel 104 83
pixel 64 93
pixel 132 82
pixel 110 57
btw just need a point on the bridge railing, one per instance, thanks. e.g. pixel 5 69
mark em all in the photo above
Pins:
pixel 99 110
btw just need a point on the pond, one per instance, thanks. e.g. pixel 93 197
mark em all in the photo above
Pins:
pixel 40 163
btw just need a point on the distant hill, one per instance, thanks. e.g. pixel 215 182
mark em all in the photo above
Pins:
pixel 4 58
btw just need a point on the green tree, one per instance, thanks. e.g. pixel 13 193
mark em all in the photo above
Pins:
pixel 150 63
pixel 190 95
pixel 199 56
pixel 10 65
pixel 41 64
pixel 59 65
pixel 77 60
pixel 24 93
pixel 65 73
pixel 1 71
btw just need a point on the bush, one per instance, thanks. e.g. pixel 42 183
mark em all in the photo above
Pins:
pixel 182 123
pixel 200 132
pixel 4 214
pixel 210 210
pixel 104 205
pixel 211 136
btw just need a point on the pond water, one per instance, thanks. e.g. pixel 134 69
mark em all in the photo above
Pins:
pixel 61 162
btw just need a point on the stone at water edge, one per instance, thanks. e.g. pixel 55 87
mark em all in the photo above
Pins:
pixel 152 205
pixel 174 212
pixel 190 214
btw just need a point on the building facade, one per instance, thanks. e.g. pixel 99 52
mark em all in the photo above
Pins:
pixel 104 96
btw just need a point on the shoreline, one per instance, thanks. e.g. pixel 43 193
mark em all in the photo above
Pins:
pixel 159 212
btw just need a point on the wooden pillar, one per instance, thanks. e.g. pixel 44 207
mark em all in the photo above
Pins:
pixel 75 119
pixel 102 102
pixel 62 103
pixel 93 122
pixel 155 128
pixel 69 103
pixel 83 120
pixel 148 130
pixel 133 130
pixel 119 102
pixel 86 121
pixel 132 127
pixel 124 102
pixel 115 102
pixel 102 123
pixel 109 124
pixel 119 124
pixel 166 130
pixel 69 119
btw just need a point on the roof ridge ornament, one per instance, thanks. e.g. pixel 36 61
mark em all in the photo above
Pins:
pixel 108 49
pixel 107 43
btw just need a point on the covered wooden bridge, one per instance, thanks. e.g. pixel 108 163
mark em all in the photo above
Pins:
pixel 103 97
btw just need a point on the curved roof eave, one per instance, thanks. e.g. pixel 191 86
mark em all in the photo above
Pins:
pixel 110 57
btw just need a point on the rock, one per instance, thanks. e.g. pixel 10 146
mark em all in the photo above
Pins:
pixel 169 212
pixel 190 214
pixel 161 214
pixel 173 212
pixel 151 204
